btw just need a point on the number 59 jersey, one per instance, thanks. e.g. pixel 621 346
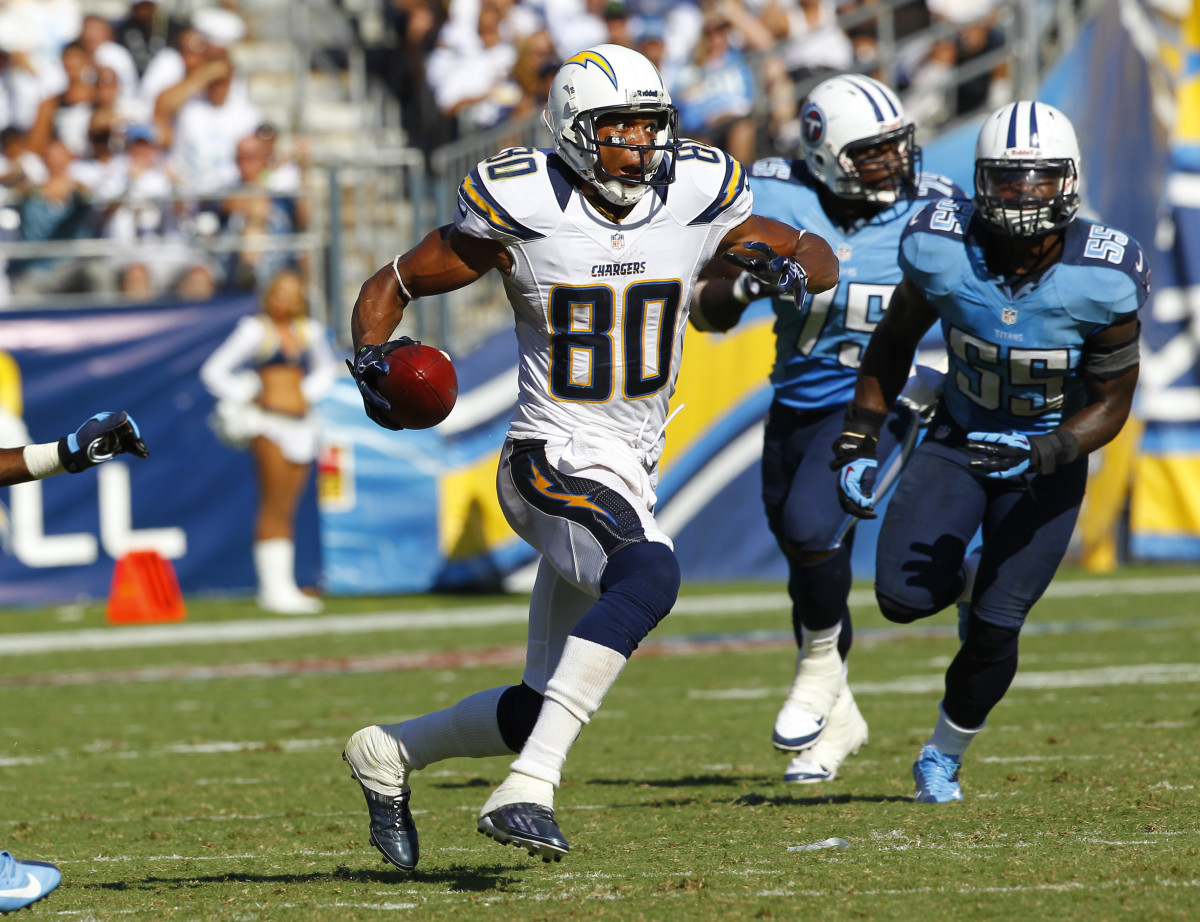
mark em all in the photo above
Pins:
pixel 1015 346
pixel 600 307
pixel 819 346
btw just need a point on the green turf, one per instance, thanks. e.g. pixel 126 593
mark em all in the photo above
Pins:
pixel 225 798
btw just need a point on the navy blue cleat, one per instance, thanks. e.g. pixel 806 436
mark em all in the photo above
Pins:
pixel 527 826
pixel 393 831
pixel 24 882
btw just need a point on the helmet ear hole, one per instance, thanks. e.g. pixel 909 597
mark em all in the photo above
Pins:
pixel 852 112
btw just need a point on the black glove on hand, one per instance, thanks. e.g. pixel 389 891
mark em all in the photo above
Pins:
pixel 854 460
pixel 100 439
pixel 368 366
pixel 781 274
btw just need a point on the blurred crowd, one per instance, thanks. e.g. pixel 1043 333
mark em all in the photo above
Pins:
pixel 139 129
pixel 128 120
pixel 735 68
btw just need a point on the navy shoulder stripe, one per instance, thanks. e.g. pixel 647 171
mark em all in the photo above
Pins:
pixel 560 179
pixel 475 194
pixel 733 185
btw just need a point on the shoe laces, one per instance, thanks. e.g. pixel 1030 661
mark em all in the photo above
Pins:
pixel 394 808
pixel 938 768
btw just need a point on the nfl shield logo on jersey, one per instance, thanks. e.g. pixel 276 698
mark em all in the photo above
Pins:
pixel 1009 315
pixel 618 242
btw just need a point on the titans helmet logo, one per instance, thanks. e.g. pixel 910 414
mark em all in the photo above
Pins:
pixel 812 124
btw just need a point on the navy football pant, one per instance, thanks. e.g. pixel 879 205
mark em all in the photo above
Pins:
pixel 800 496
pixel 932 517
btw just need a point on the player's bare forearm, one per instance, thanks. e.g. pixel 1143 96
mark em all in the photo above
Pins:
pixel 443 261
pixel 1108 400
pixel 378 309
pixel 811 251
pixel 890 351
pixel 1109 403
pixel 13 469
pixel 714 308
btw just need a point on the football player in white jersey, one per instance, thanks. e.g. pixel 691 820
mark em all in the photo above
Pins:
pixel 857 184
pixel 600 242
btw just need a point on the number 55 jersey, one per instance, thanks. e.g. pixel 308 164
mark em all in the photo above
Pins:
pixel 600 307
pixel 1015 344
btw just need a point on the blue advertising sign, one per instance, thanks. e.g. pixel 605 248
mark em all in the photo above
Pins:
pixel 192 500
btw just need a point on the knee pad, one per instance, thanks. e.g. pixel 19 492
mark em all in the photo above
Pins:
pixel 516 713
pixel 988 643
pixel 638 589
pixel 899 612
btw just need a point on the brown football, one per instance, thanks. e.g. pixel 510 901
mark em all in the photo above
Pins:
pixel 421 385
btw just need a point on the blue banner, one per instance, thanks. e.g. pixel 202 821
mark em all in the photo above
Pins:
pixel 193 500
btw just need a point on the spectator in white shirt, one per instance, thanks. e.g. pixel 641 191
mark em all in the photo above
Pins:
pixel 97 39
pixel 475 84
pixel 203 140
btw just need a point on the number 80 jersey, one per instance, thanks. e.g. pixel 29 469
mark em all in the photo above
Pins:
pixel 600 307
pixel 1015 348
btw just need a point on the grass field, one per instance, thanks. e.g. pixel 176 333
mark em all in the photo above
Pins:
pixel 194 771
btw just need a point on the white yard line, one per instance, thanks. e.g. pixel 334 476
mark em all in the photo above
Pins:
pixel 1143 674
pixel 225 632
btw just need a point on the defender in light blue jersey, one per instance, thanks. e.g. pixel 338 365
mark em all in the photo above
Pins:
pixel 857 186
pixel 1039 313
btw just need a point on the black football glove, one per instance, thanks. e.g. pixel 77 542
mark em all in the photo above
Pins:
pixel 369 365
pixel 1008 455
pixel 855 462
pixel 782 275
pixel 100 439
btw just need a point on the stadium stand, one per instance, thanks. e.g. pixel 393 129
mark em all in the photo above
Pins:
pixel 153 101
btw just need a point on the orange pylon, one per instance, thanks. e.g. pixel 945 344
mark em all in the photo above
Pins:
pixel 144 590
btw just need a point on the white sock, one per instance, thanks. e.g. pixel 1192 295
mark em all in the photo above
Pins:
pixel 581 679
pixel 520 789
pixel 467 729
pixel 275 565
pixel 949 738
pixel 820 641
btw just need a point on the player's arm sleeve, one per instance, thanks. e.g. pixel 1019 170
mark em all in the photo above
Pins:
pixel 225 374
pixel 484 211
pixel 928 259
pixel 725 186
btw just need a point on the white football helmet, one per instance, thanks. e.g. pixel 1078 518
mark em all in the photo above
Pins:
pixel 848 116
pixel 611 78
pixel 1027 170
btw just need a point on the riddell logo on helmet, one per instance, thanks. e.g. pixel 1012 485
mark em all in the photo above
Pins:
pixel 1021 153
pixel 654 93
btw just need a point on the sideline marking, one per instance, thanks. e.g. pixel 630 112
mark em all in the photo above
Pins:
pixel 225 632
pixel 684 645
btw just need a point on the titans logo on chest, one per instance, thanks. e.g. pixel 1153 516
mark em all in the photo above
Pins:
pixel 606 270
